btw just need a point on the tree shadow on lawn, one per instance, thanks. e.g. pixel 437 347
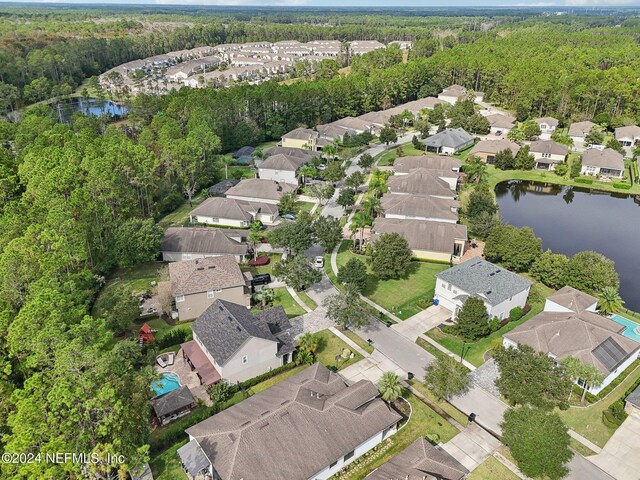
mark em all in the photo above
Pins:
pixel 373 281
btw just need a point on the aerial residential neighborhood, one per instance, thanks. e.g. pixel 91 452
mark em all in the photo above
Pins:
pixel 313 242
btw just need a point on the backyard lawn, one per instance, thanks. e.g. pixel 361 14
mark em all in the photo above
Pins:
pixel 423 421
pixel 166 466
pixel 304 206
pixel 587 421
pixel 331 346
pixel 181 214
pixel 401 296
pixel 474 352
pixel 388 157
pixel 492 469
pixel 284 298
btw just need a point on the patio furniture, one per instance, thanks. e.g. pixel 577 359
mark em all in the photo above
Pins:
pixel 170 358
pixel 161 361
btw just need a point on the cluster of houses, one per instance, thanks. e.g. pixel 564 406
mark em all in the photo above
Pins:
pixel 569 324
pixel 224 64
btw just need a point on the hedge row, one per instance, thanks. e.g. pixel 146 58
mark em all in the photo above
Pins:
pixel 606 390
pixel 587 181
pixel 623 186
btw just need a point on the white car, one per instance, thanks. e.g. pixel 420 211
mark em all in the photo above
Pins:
pixel 319 262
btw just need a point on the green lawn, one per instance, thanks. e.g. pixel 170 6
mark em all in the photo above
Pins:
pixel 388 157
pixel 181 214
pixel 136 279
pixel 331 346
pixel 474 352
pixel 304 206
pixel 452 411
pixel 355 338
pixel 496 176
pixel 273 380
pixel 308 301
pixel 492 469
pixel 268 268
pixel 166 466
pixel 587 421
pixel 423 421
pixel 284 298
pixel 401 296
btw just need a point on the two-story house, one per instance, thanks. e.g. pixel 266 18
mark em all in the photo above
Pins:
pixel 233 213
pixel 196 284
pixel 281 168
pixel 260 190
pixel 548 154
pixel 304 138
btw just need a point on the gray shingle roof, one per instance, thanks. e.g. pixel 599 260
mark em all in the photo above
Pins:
pixel 607 158
pixel 193 458
pixel 498 120
pixel 232 209
pixel 293 429
pixel 260 188
pixel 580 129
pixel 419 206
pixel 420 460
pixel 490 282
pixel 173 401
pixel 429 162
pixel 281 161
pixel 550 147
pixel 573 298
pixel 224 327
pixel 495 146
pixel 450 137
pixel 244 151
pixel 205 240
pixel 220 188
pixel 301 134
pixel 204 274
pixel 292 152
pixel 553 122
pixel 631 131
pixel 634 397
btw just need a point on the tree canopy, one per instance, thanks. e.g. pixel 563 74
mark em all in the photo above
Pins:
pixel 390 256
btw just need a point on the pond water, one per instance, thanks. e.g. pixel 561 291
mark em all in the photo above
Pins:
pixel 570 220
pixel 88 106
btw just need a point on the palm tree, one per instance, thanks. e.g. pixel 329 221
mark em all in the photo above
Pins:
pixel 307 171
pixel 610 300
pixel 265 296
pixel 378 183
pixel 372 207
pixel 308 343
pixel 390 387
pixel 476 170
pixel 304 357
pixel 359 220
pixel 572 366
pixel 590 375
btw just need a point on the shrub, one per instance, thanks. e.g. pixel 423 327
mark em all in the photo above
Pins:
pixel 265 376
pixel 615 414
pixel 516 313
pixel 561 169
pixel 587 181
pixel 495 324
pixel 173 337
pixel 623 186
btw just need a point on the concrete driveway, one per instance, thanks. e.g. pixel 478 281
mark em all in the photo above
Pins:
pixel 421 322
pixel 372 368
pixel 472 446
pixel 489 410
pixel 406 354
pixel 620 457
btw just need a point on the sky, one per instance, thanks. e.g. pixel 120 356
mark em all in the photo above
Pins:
pixel 366 3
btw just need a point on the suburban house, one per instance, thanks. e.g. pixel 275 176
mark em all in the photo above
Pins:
pixel 547 126
pixel 357 125
pixel 454 93
pixel 307 155
pixel 428 240
pixel 449 141
pixel 499 289
pixel 331 132
pixel 233 344
pixel 578 131
pixel 196 284
pixel 233 213
pixel 382 117
pixel 548 154
pixel 632 402
pixel 173 405
pixel 628 136
pixel 486 150
pixel 220 188
pixel 445 168
pixel 420 181
pixel 570 327
pixel 260 190
pixel 419 207
pixel 500 124
pixel 188 243
pixel 308 426
pixel 281 168
pixel 304 138
pixel 420 460
pixel 607 162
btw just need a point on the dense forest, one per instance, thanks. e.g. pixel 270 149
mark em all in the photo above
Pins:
pixel 79 200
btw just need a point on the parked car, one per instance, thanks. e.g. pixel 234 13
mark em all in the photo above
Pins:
pixel 321 167
pixel 261 279
pixel 319 262
pixel 288 216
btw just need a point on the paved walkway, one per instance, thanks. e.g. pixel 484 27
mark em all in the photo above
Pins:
pixel 372 368
pixel 298 300
pixel 472 446
pixel 435 344
pixel 620 457
pixel 348 341
pixel 587 443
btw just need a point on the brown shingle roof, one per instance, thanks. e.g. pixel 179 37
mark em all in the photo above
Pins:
pixel 580 129
pixel 573 299
pixel 204 274
pixel 232 209
pixel 607 158
pixel 293 429
pixel 421 234
pixel 632 131
pixel 420 182
pixel 212 241
pixel 172 401
pixel 498 120
pixel 553 122
pixel 495 146
pixel 550 147
pixel 281 161
pixel 419 206
pixel 301 134
pixel 260 188
pixel 429 162
pixel 420 461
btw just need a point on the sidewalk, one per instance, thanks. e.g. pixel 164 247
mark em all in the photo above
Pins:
pixel 348 341
pixel 298 300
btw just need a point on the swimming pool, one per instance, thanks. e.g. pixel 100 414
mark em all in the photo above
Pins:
pixel 632 329
pixel 166 383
